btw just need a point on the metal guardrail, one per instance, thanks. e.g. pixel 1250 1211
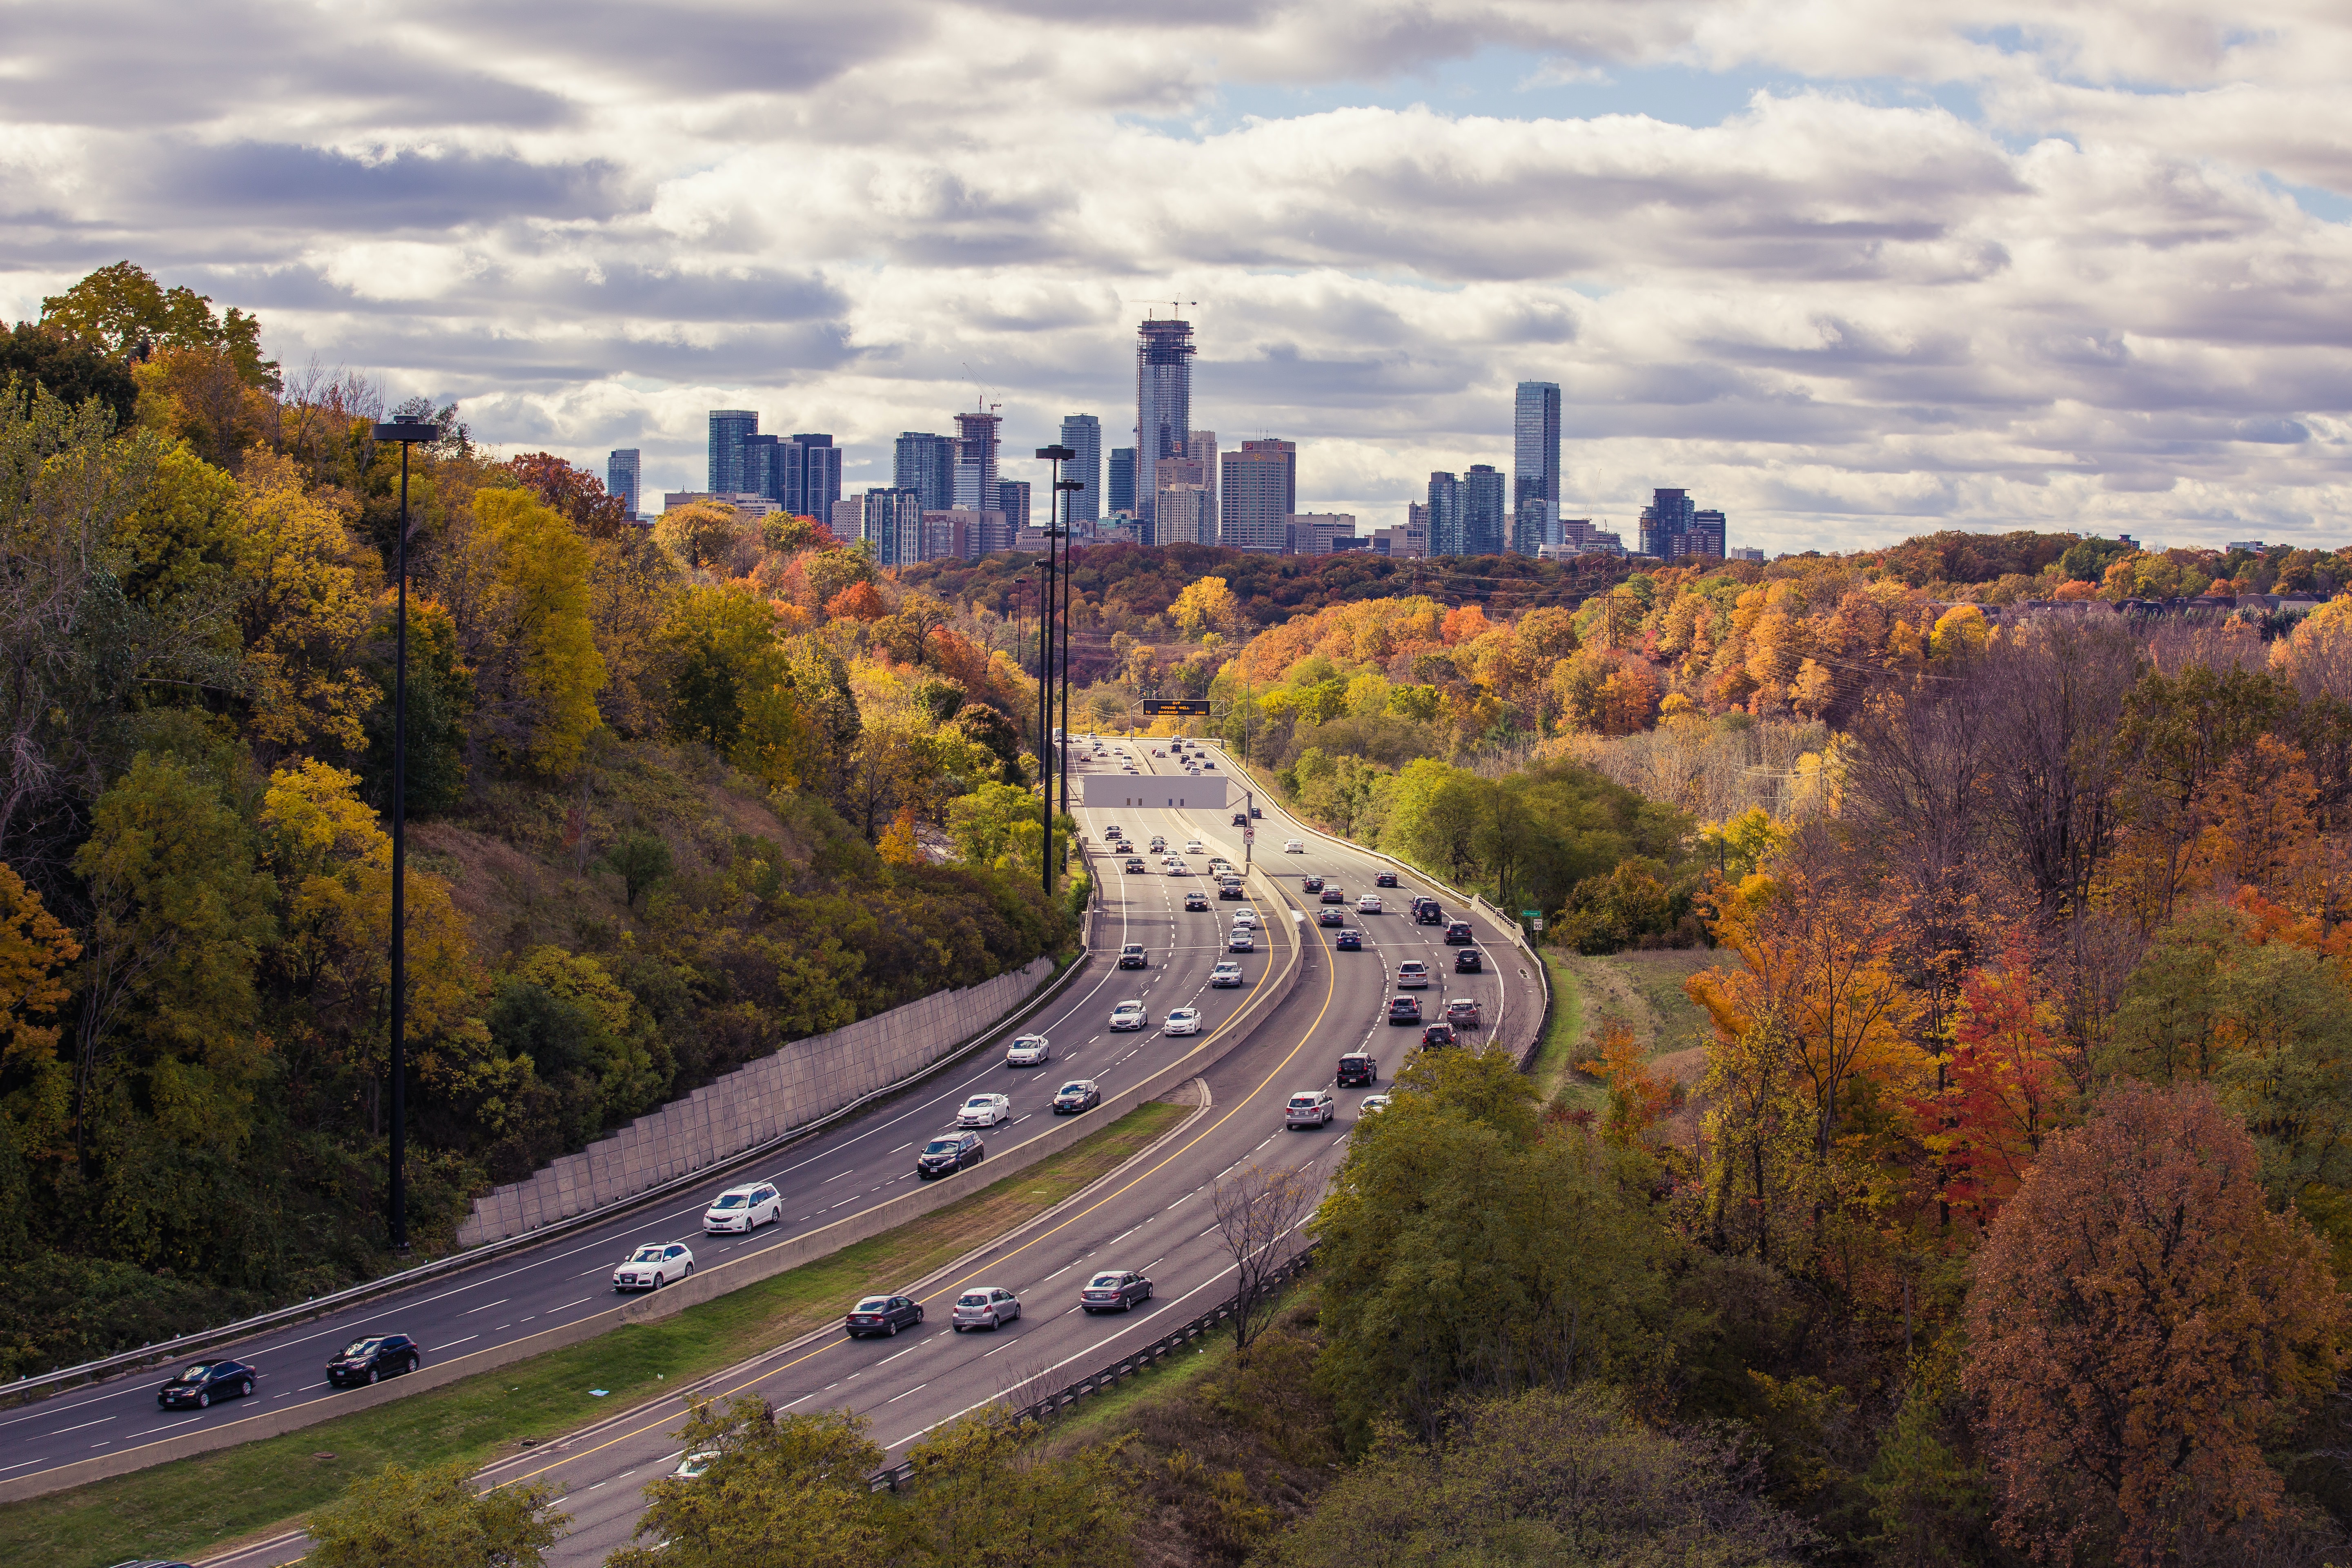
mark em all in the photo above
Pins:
pixel 1167 1344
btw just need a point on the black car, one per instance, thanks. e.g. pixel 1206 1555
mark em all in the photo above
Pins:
pixel 1256 812
pixel 948 1153
pixel 1311 884
pixel 1437 1035
pixel 882 1315
pixel 1458 933
pixel 201 1382
pixel 1404 1010
pixel 378 1356
pixel 1469 961
pixel 1358 1070
pixel 1240 820
pixel 1078 1094
pixel 1131 956
pixel 1384 879
pixel 1330 917
pixel 1335 895
pixel 1114 1291
pixel 1348 942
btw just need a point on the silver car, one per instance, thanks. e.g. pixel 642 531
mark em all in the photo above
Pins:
pixel 985 1307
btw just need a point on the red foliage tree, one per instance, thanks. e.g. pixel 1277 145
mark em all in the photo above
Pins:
pixel 578 494
pixel 2139 1324
pixel 2003 1093
pixel 858 602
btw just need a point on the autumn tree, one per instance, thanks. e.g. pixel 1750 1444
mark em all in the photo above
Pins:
pixel 551 671
pixel 306 595
pixel 34 953
pixel 1207 605
pixel 2141 1325
pixel 126 312
pixel 782 1489
pixel 399 1518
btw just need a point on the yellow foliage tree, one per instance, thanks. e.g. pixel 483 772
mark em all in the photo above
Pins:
pixel 544 565
pixel 35 949
pixel 306 593
pixel 899 844
pixel 1206 605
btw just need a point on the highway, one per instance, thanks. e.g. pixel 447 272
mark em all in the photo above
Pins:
pixel 1156 1216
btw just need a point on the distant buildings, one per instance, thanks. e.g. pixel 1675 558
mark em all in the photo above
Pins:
pixel 800 474
pixel 975 460
pixel 624 479
pixel 1258 491
pixel 1013 500
pixel 925 463
pixel 1672 528
pixel 752 506
pixel 1183 513
pixel 1409 541
pixel 1320 532
pixel 1746 553
pixel 1119 486
pixel 729 428
pixel 1163 401
pixel 1482 510
pixel 1443 513
pixel 1082 434
pixel 1535 466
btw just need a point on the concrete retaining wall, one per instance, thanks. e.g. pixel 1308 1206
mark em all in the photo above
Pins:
pixel 757 1102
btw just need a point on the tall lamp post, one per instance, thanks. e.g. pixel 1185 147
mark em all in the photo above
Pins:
pixel 1063 489
pixel 1057 455
pixel 408 432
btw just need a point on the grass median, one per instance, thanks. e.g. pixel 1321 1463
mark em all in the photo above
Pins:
pixel 194 1507
pixel 1556 1055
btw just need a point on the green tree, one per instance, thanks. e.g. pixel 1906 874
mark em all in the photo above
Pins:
pixel 400 1517
pixel 642 861
pixel 985 1497
pixel 68 370
pixel 783 1492
pixel 126 313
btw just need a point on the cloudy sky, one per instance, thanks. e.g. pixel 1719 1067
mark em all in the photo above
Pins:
pixel 1848 269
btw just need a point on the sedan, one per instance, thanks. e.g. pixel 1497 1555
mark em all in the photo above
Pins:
pixel 378 1356
pixel 984 1111
pixel 1348 942
pixel 948 1153
pixel 1311 884
pixel 201 1383
pixel 1404 1010
pixel 1029 1051
pixel 1182 1021
pixel 1225 975
pixel 984 1307
pixel 1114 1291
pixel 691 1467
pixel 1437 1035
pixel 1130 1015
pixel 1078 1094
pixel 743 1208
pixel 1334 895
pixel 1131 956
pixel 1246 918
pixel 653 1266
pixel 1458 933
pixel 1134 866
pixel 1461 1012
pixel 882 1315
pixel 1192 846
pixel 1384 879
pixel 1372 1104
pixel 1370 904
pixel 1469 961
pixel 1240 941
pixel 1196 901
pixel 1330 917
pixel 1293 846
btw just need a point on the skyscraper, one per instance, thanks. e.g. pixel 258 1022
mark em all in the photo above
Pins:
pixel 1706 533
pixel 1082 434
pixel 1013 500
pixel 1119 489
pixel 1482 510
pixel 728 426
pixel 812 475
pixel 925 464
pixel 1203 449
pixel 1665 520
pixel 975 460
pixel 1180 514
pixel 1534 463
pixel 1445 514
pixel 892 522
pixel 1163 399
pixel 624 479
pixel 763 471
pixel 1257 493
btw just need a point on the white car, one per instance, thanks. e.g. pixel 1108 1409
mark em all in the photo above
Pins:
pixel 984 1111
pixel 1245 917
pixel 1176 867
pixel 1293 846
pixel 1242 940
pixel 691 1467
pixel 1372 1103
pixel 1193 847
pixel 1370 904
pixel 1130 1015
pixel 743 1208
pixel 1028 1052
pixel 1225 975
pixel 1182 1021
pixel 653 1266
pixel 1310 1108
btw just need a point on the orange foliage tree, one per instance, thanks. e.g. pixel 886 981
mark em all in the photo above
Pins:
pixel 2003 1093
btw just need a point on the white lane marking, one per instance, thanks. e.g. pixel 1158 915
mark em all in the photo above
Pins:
pixel 830 1179
pixel 581 1303
pixel 916 1389
pixel 486 1306
pixel 100 1422
pixel 468 1340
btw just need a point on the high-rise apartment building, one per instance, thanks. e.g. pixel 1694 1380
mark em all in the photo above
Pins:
pixel 1320 532
pixel 730 427
pixel 1445 514
pixel 891 522
pixel 1118 491
pixel 624 478
pixel 1082 434
pixel 925 463
pixel 1013 500
pixel 1180 514
pixel 1202 450
pixel 1664 520
pixel 1705 533
pixel 1534 465
pixel 812 475
pixel 1163 399
pixel 761 472
pixel 975 460
pixel 1258 490
pixel 1483 530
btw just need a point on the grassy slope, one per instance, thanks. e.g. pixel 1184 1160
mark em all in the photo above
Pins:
pixel 197 1505
pixel 1646 989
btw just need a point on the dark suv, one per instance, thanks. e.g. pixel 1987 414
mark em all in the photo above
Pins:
pixel 1404 1010
pixel 378 1356
pixel 1358 1070
pixel 201 1383
pixel 1240 820
pixel 1469 961
pixel 1384 879
pixel 1437 1035
pixel 1458 933
pixel 948 1153
pixel 1425 910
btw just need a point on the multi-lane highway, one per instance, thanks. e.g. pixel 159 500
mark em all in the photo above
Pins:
pixel 1155 1216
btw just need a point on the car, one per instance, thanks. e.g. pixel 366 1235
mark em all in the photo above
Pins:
pixel 1158 750
pixel 882 1315
pixel 1370 904
pixel 1193 847
pixel 1176 867
pixel 1241 818
pixel 1220 867
pixel 1225 975
pixel 1134 866
pixel 1330 917
pixel 984 1307
pixel 1159 842
pixel 1359 1070
pixel 1404 1009
pixel 1131 956
pixel 1028 1052
pixel 1129 769
pixel 201 1382
pixel 1426 912
pixel 1114 831
pixel 743 1208
pixel 1458 933
pixel 984 1111
pixel 1311 884
pixel 1253 810
pixel 1335 894
pixel 1246 916
pixel 1371 1105
pixel 949 1153
pixel 1310 1108
pixel 1078 1094
pixel 1229 887
pixel 1412 974
pixel 1461 1012
pixel 1240 941
pixel 1348 942
pixel 1182 1021
pixel 1384 879
pixel 1114 1291
pixel 1130 1015
pixel 653 1266
pixel 1196 901
pixel 1469 961
pixel 1293 846
pixel 690 1466
pixel 1211 763
pixel 1436 1034
pixel 378 1356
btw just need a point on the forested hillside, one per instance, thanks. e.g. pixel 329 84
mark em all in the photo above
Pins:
pixel 674 800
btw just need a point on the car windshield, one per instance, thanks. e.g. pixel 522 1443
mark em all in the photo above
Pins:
pixel 730 1200
pixel 1104 1282
pixel 972 1298
pixel 362 1347
pixel 875 1304
pixel 196 1372
pixel 940 1146
pixel 977 1100
pixel 1302 1099
pixel 1074 1088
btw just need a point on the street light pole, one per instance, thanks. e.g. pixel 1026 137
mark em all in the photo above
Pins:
pixel 408 432
pixel 1063 489
pixel 1056 455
